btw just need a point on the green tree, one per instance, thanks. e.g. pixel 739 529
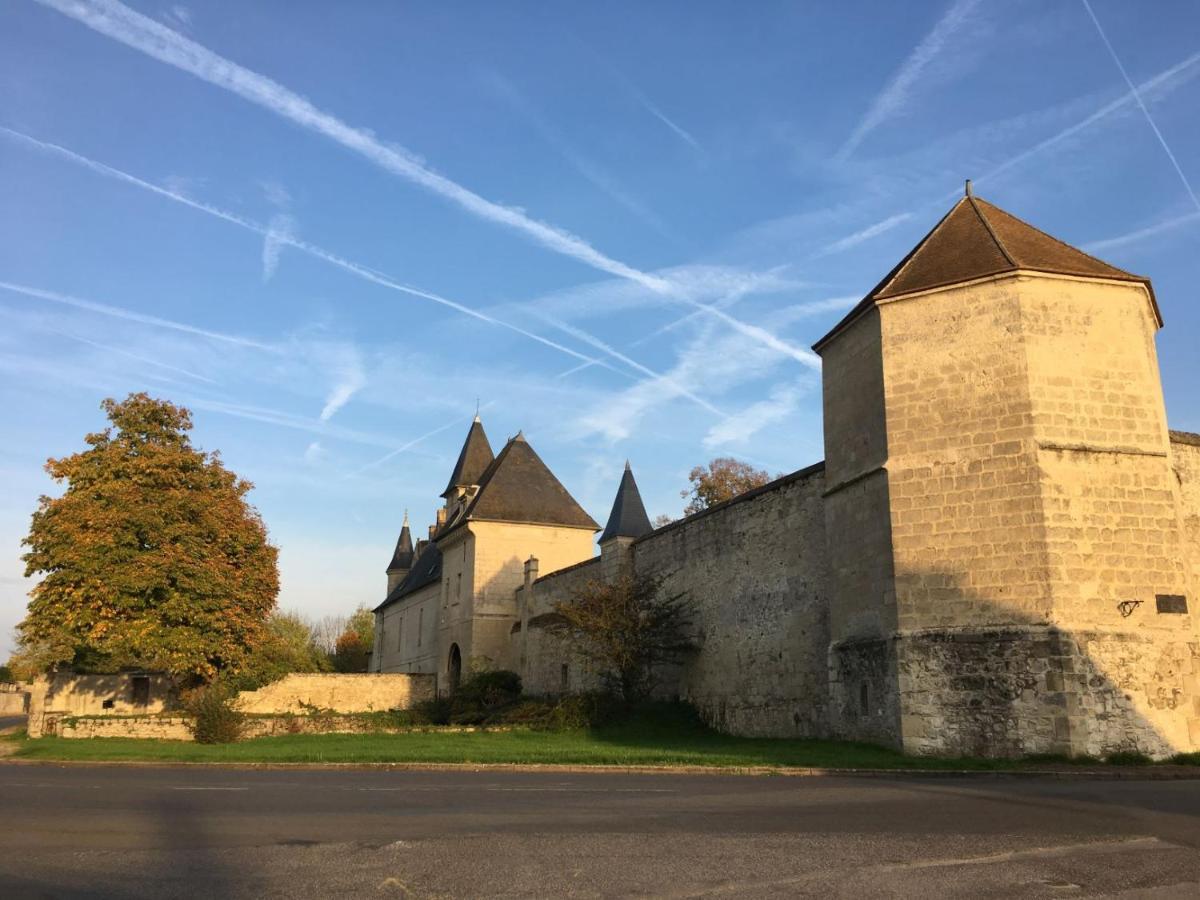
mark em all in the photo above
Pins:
pixel 353 647
pixel 6 673
pixel 629 628
pixel 722 479
pixel 151 556
pixel 289 646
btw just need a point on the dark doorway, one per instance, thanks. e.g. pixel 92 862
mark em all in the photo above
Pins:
pixel 141 690
pixel 455 668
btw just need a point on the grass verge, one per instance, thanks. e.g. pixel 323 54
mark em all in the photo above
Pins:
pixel 663 736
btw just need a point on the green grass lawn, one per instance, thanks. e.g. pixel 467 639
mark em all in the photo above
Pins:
pixel 663 737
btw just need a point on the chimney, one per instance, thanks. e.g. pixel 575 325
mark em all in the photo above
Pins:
pixel 421 545
pixel 432 531
pixel 531 572
pixel 441 517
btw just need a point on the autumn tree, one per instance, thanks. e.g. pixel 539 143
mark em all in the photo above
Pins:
pixel 353 647
pixel 628 627
pixel 722 479
pixel 151 557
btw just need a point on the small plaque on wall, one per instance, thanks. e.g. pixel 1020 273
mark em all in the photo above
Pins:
pixel 1171 603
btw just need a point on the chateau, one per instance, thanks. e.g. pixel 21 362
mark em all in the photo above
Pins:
pixel 999 555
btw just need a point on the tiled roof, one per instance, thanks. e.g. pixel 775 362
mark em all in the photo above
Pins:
pixel 628 517
pixel 474 458
pixel 403 557
pixel 426 571
pixel 976 239
pixel 517 487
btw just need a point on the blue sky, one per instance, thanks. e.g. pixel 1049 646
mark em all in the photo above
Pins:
pixel 328 229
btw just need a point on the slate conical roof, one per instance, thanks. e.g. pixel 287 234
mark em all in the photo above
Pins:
pixel 403 557
pixel 976 239
pixel 628 517
pixel 518 487
pixel 474 458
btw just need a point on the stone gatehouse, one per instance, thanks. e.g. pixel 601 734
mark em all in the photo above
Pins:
pixel 999 555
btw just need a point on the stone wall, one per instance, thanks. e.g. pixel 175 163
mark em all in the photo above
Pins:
pixel 163 728
pixel 66 693
pixel 340 693
pixel 755 570
pixel 406 633
pixel 1030 488
pixel 1185 460
pixel 14 699
pixel 546 666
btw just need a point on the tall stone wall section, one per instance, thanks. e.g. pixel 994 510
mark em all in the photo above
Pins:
pixel 547 666
pixel 858 526
pixel 754 568
pixel 1034 523
pixel 1185 461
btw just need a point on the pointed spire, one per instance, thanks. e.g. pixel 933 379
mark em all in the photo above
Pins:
pixel 476 455
pixel 402 558
pixel 628 517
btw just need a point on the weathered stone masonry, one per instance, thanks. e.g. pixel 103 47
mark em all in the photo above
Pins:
pixel 1000 554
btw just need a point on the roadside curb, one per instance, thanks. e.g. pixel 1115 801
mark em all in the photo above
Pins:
pixel 1127 773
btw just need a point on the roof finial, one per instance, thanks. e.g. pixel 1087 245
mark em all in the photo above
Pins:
pixel 405 525
pixel 476 409
pixel 969 192
pixel 628 467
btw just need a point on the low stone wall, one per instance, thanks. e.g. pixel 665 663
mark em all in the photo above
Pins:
pixel 338 693
pixel 163 728
pixel 14 699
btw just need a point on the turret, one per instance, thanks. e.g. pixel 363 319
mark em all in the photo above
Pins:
pixel 402 558
pixel 626 523
pixel 474 458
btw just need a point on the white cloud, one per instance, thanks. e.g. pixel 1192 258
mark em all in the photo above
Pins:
pixel 314 453
pixel 345 364
pixel 279 234
pixel 1132 237
pixel 742 425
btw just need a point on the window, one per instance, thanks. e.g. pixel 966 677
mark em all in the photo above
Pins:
pixel 1171 603
pixel 864 699
pixel 458 588
pixel 400 633
pixel 420 624
pixel 566 677
pixel 141 690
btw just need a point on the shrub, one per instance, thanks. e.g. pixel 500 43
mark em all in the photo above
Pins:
pixel 488 690
pixel 6 674
pixel 216 719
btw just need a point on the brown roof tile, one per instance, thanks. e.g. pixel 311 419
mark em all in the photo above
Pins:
pixel 976 239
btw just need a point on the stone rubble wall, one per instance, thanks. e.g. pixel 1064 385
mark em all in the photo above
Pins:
pixel 351 693
pixel 163 728
pixel 14 699
pixel 755 570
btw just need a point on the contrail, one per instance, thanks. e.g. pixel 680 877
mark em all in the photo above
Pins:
pixel 1138 97
pixel 1071 130
pixel 413 443
pixel 131 316
pixel 119 22
pixel 290 240
pixel 632 363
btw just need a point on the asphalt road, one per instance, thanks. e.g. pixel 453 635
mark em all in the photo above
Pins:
pixel 184 832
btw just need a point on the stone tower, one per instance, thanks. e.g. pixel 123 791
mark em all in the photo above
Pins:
pixel 1007 568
